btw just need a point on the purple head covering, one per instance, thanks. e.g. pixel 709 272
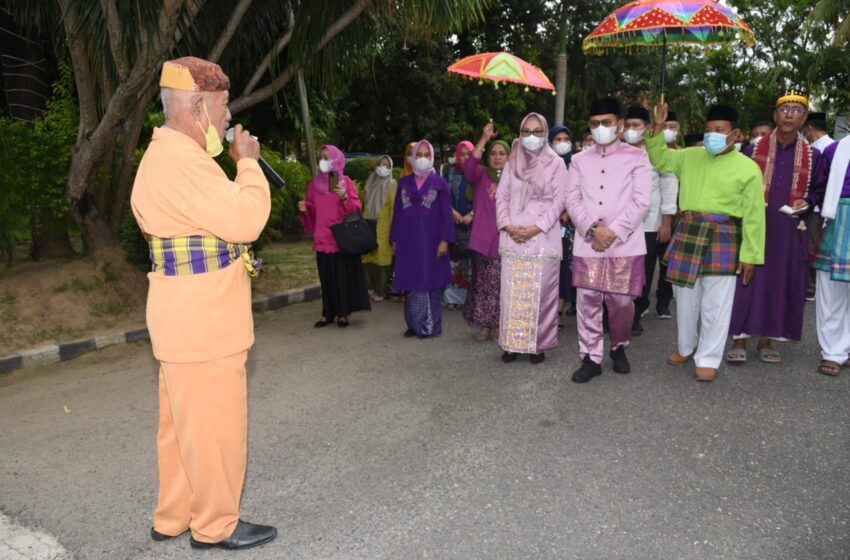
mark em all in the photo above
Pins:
pixel 337 164
pixel 529 166
pixel 417 171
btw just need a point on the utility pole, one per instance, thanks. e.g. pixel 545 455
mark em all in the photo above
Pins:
pixel 305 111
pixel 561 70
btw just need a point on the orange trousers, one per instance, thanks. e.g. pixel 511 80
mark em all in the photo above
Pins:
pixel 202 447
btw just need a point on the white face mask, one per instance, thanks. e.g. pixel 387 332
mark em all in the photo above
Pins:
pixel 382 171
pixel 738 146
pixel 587 147
pixel 670 136
pixel 562 148
pixel 325 165
pixel 604 135
pixel 532 143
pixel 633 136
pixel 452 160
pixel 422 164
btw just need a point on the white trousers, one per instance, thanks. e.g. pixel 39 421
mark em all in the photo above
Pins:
pixel 833 314
pixel 703 314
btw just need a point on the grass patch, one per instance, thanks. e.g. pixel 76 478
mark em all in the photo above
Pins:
pixel 57 332
pixel 110 308
pixel 8 297
pixel 77 284
pixel 286 265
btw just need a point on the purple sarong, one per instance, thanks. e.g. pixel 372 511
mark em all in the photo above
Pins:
pixel 423 313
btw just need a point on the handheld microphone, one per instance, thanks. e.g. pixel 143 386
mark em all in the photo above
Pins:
pixel 268 170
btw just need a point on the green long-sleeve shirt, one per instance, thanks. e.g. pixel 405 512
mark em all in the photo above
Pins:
pixel 728 184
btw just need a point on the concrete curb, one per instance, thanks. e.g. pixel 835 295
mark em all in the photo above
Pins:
pixel 63 351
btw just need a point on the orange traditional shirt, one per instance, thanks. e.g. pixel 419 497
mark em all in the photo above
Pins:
pixel 181 191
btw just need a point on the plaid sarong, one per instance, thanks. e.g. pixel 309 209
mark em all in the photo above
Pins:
pixel 197 254
pixel 704 244
pixel 833 251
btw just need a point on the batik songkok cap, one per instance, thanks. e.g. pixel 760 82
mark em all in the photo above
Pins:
pixel 723 113
pixel 794 96
pixel 638 112
pixel 672 116
pixel 193 74
pixel 605 106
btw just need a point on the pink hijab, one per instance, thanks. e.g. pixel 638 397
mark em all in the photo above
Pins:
pixel 464 144
pixel 322 180
pixel 529 167
pixel 417 172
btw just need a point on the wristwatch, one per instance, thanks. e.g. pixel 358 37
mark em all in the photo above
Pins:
pixel 591 231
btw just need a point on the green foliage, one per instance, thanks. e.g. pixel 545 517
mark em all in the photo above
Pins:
pixel 360 169
pixel 133 242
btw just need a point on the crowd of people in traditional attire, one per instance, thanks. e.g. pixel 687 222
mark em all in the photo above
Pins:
pixel 515 234
pixel 521 236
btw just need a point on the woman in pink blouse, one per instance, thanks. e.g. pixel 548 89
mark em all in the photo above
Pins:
pixel 330 197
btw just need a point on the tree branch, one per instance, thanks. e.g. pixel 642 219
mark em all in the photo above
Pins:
pixel 113 30
pixel 229 31
pixel 337 27
pixel 266 62
pixel 86 89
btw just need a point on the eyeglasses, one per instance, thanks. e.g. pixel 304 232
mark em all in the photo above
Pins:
pixel 791 110
pixel 536 132
pixel 604 122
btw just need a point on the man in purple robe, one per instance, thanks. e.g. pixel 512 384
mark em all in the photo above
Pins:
pixel 771 305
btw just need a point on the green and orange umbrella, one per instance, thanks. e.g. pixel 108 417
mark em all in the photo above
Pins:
pixel 499 67
pixel 653 23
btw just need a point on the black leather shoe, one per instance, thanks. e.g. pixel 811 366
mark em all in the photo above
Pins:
pixel 246 535
pixel 321 323
pixel 621 363
pixel 571 310
pixel 409 333
pixel 537 358
pixel 637 328
pixel 508 357
pixel 588 370
pixel 342 323
pixel 159 537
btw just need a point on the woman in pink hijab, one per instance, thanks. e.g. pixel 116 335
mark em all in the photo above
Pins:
pixel 529 201
pixel 330 197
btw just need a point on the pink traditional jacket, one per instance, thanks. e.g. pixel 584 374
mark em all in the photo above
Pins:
pixel 542 211
pixel 611 187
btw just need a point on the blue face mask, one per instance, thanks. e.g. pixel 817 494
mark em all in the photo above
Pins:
pixel 714 142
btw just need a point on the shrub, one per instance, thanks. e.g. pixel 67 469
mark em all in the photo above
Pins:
pixel 360 169
pixel 134 244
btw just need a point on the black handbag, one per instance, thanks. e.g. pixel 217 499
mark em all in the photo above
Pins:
pixel 354 236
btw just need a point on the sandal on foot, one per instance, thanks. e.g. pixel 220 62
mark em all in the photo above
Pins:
pixel 828 367
pixel 769 355
pixel 483 334
pixel 736 356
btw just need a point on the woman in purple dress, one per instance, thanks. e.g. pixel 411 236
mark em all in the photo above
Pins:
pixel 482 301
pixel 423 227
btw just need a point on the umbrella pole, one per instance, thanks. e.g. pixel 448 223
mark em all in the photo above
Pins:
pixel 663 65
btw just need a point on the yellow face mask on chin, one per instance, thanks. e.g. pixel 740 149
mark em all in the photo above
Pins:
pixel 214 146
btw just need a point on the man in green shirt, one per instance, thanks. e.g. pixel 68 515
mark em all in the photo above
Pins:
pixel 721 234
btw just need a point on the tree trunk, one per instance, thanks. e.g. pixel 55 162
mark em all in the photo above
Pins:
pixel 560 87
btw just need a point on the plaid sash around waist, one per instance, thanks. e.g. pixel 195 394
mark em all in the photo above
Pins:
pixel 832 253
pixel 197 254
pixel 704 244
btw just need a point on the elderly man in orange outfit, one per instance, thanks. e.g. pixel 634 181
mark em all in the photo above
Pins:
pixel 198 224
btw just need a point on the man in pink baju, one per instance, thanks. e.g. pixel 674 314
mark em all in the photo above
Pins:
pixel 608 195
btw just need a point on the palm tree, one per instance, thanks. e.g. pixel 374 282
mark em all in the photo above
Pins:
pixel 834 13
pixel 116 48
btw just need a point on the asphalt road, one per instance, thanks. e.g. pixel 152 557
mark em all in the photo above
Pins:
pixel 366 445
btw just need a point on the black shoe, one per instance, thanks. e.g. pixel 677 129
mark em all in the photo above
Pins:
pixel 663 311
pixel 621 363
pixel 810 294
pixel 159 537
pixel 409 333
pixel 342 323
pixel 322 323
pixel 538 358
pixel 588 370
pixel 246 535
pixel 571 310
pixel 637 328
pixel 508 357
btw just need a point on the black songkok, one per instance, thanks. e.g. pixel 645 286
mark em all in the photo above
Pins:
pixel 638 112
pixel 817 118
pixel 723 113
pixel 605 106
pixel 692 138
pixel 672 116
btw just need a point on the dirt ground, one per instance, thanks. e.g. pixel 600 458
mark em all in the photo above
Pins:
pixel 61 300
